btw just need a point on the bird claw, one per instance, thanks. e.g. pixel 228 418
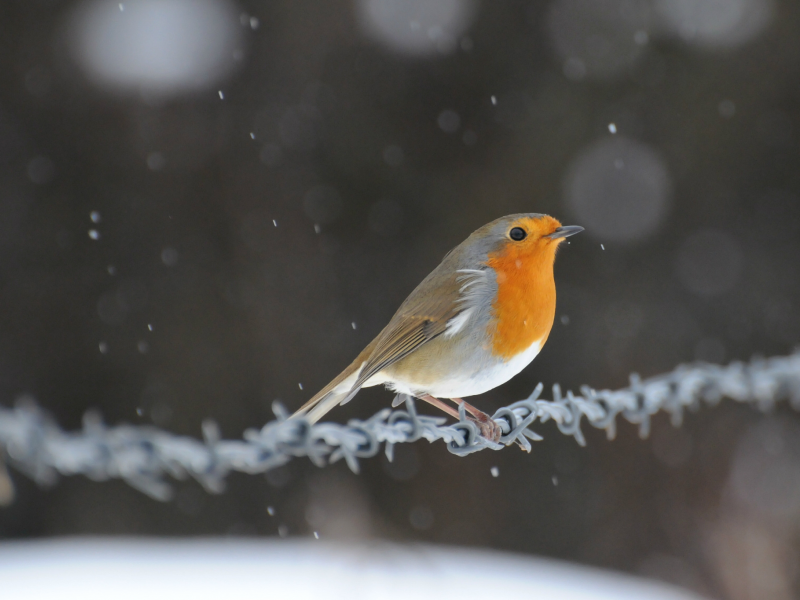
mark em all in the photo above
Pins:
pixel 489 428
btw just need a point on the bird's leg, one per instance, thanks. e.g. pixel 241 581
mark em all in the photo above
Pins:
pixel 439 404
pixel 488 426
pixel 479 415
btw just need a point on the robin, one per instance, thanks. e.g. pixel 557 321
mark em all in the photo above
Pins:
pixel 477 320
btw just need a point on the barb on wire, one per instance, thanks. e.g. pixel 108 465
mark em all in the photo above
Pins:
pixel 144 456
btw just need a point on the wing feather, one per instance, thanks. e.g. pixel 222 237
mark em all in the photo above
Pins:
pixel 425 316
pixel 441 297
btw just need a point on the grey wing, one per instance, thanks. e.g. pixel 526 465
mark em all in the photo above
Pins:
pixel 437 307
pixel 421 318
pixel 402 339
pixel 424 317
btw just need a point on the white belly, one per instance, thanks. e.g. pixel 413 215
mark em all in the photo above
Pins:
pixel 459 385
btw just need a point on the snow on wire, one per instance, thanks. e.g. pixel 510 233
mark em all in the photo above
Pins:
pixel 143 456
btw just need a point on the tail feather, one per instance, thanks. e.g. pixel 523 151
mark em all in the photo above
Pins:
pixel 329 401
pixel 338 391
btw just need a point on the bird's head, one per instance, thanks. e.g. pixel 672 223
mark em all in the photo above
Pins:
pixel 522 236
pixel 532 232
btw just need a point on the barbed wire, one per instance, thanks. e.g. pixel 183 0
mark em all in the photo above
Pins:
pixel 145 456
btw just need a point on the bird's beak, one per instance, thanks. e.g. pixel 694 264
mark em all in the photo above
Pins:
pixel 564 232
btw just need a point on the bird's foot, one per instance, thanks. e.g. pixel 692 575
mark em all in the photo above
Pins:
pixel 490 429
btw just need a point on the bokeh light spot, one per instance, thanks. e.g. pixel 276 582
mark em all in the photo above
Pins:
pixel 158 47
pixel 155 161
pixel 715 23
pixel 393 155
pixel 618 189
pixel 169 256
pixel 600 39
pixel 449 121
pixel 416 27
pixel 727 109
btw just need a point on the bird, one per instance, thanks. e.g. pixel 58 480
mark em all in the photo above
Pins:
pixel 472 324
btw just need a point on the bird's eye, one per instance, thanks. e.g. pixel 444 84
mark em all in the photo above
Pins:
pixel 517 234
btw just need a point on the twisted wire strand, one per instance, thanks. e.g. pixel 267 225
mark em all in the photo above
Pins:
pixel 145 456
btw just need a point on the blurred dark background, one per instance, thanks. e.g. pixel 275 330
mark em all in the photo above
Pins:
pixel 207 205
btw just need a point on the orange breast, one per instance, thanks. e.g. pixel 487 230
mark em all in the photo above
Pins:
pixel 526 298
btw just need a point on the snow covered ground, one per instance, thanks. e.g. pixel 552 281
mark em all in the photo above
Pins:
pixel 230 568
